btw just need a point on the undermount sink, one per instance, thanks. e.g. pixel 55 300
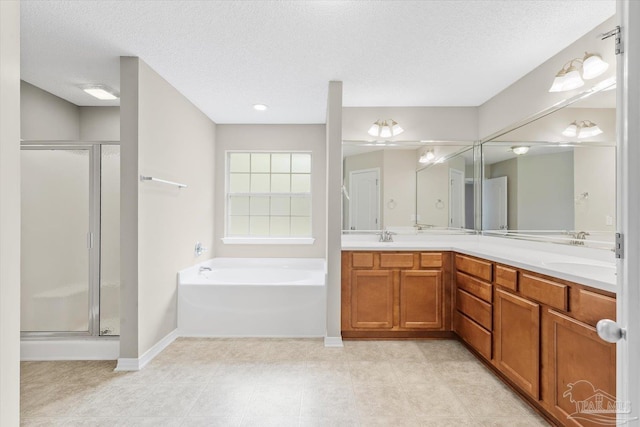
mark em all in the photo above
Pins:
pixel 583 268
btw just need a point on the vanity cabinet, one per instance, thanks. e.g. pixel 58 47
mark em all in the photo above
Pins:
pixel 395 294
pixel 473 318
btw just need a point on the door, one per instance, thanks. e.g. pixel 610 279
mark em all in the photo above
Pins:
pixel 456 198
pixel 628 211
pixel 494 205
pixel 421 303
pixel 58 240
pixel 364 204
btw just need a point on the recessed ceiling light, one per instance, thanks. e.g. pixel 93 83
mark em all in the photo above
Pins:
pixel 260 107
pixel 101 92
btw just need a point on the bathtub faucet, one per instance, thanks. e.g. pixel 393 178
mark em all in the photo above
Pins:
pixel 202 268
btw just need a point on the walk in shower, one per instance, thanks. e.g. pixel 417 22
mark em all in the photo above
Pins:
pixel 70 248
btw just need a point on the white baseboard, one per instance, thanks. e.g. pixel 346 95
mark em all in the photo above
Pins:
pixel 69 349
pixel 333 342
pixel 135 364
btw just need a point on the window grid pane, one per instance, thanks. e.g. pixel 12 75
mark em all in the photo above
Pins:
pixel 257 201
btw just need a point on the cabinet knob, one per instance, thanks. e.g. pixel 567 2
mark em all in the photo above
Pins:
pixel 610 331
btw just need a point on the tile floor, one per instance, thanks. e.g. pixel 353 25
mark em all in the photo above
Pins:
pixel 277 382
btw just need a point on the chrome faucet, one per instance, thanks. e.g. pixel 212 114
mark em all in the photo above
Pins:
pixel 386 236
pixel 579 237
pixel 202 268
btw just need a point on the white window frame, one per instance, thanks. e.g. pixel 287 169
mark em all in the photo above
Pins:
pixel 267 240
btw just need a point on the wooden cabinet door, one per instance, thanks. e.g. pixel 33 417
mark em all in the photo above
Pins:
pixel 372 299
pixel 580 372
pixel 421 299
pixel 517 340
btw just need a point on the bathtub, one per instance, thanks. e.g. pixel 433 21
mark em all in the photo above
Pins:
pixel 253 297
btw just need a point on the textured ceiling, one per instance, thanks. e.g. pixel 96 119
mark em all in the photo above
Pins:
pixel 227 55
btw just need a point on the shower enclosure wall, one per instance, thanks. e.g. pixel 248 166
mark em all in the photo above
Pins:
pixel 70 260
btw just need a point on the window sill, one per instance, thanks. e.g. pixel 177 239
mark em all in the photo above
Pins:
pixel 268 240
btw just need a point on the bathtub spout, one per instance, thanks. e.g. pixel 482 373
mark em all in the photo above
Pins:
pixel 201 269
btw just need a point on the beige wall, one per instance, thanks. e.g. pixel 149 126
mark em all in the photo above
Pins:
pixel 9 213
pixel 420 123
pixel 173 140
pixel 265 138
pixel 46 117
pixel 433 192
pixel 545 192
pixel 333 222
pixel 530 95
pixel 595 173
pixel 99 123
pixel 399 185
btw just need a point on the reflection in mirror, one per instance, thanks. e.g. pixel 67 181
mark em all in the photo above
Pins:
pixel 445 191
pixel 554 178
pixel 379 180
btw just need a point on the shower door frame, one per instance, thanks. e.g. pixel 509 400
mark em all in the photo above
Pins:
pixel 93 235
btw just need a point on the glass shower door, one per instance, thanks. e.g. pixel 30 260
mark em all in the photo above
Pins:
pixel 57 240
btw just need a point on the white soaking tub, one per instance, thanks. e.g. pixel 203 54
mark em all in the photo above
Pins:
pixel 253 297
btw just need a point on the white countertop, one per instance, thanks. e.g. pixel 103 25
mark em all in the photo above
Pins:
pixel 590 267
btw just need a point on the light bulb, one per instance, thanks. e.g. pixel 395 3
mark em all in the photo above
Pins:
pixel 571 131
pixel 374 130
pixel 572 79
pixel 520 150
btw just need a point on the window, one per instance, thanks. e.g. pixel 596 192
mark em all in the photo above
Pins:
pixel 268 197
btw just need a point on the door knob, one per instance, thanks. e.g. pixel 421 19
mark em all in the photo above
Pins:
pixel 610 331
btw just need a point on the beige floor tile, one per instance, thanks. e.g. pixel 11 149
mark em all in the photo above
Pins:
pixel 328 422
pixel 270 422
pixel 383 421
pixel 416 373
pixel 402 351
pixel 463 373
pixel 383 401
pixel 328 373
pixel 243 373
pixel 44 372
pixel 444 351
pixel 225 400
pixel 42 422
pixel 365 351
pixel 328 400
pixel 53 400
pixel 448 422
pixel 514 422
pixel 434 400
pixel 295 373
pixel 329 354
pixel 275 401
pixel 248 349
pixel 372 373
pixel 167 400
pixel 212 422
pixel 124 422
pixel 294 350
pixel 481 402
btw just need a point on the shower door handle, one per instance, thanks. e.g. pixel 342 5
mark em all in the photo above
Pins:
pixel 89 240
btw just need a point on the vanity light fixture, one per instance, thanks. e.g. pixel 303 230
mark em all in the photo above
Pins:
pixel 520 150
pixel 569 78
pixel 260 107
pixel 584 129
pixel 385 128
pixel 102 92
pixel 427 157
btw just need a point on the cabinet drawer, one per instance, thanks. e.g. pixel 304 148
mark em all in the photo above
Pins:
pixel 590 306
pixel 475 267
pixel 475 335
pixel 430 260
pixel 474 308
pixel 396 260
pixel 474 286
pixel 545 291
pixel 507 277
pixel 362 259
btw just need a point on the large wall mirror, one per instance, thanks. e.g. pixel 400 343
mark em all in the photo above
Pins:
pixel 555 177
pixel 404 185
